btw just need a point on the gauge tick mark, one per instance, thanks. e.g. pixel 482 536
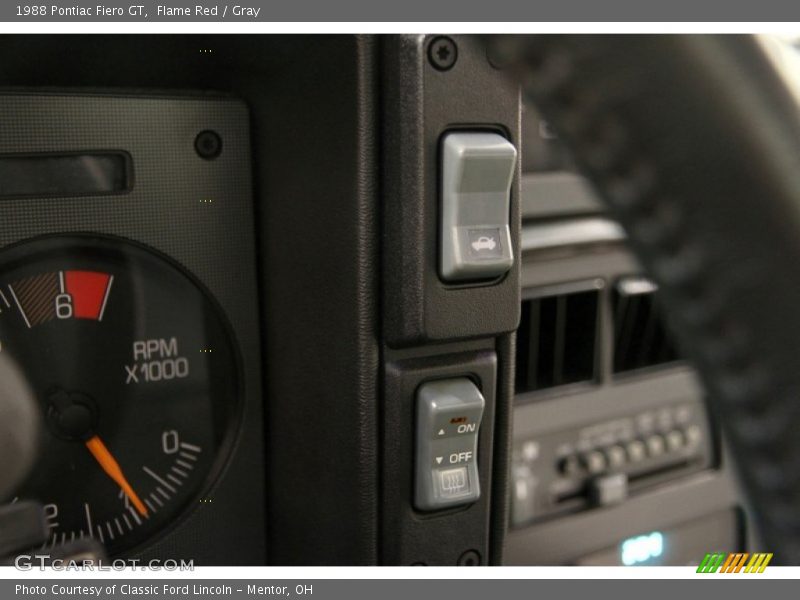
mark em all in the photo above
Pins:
pixel 159 480
pixel 135 516
pixel 88 518
pixel 105 299
pixel 183 474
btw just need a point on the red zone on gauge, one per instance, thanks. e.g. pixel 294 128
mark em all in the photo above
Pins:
pixel 59 295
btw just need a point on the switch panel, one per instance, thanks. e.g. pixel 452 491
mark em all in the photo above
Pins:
pixel 449 414
pixel 477 170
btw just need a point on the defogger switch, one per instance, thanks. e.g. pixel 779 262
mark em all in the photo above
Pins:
pixel 449 414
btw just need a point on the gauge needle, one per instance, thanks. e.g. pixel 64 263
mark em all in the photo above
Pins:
pixel 113 470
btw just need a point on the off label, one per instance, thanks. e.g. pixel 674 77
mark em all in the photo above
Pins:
pixel 155 360
pixel 460 457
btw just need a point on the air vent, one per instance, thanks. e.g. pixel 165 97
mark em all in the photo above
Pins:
pixel 640 337
pixel 556 341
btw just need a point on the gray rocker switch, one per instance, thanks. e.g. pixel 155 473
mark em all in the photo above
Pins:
pixel 449 414
pixel 477 170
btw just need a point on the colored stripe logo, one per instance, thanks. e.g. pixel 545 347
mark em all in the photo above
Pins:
pixel 735 562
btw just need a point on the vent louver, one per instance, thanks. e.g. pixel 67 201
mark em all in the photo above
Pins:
pixel 640 337
pixel 556 341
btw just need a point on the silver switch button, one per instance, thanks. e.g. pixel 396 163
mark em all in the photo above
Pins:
pixel 477 171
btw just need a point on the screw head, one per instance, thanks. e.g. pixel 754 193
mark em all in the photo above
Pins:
pixel 208 144
pixel 442 53
pixel 470 558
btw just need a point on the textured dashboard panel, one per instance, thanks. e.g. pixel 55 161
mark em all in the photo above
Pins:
pixel 317 163
pixel 198 212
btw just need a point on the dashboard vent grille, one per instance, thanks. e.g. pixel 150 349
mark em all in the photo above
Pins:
pixel 556 341
pixel 640 338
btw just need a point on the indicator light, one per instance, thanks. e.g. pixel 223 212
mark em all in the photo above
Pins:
pixel 642 548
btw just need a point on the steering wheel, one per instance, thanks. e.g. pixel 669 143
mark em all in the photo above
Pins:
pixel 694 144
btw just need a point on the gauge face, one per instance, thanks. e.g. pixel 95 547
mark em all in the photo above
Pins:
pixel 136 376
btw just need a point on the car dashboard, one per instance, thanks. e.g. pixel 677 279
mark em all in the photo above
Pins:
pixel 323 300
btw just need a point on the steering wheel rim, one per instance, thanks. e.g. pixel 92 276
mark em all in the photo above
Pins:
pixel 693 142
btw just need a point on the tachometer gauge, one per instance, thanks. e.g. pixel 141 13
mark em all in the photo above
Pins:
pixel 136 375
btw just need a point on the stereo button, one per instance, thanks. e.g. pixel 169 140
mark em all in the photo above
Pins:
pixel 595 462
pixel 636 451
pixel 655 446
pixel 693 436
pixel 615 455
pixel 674 440
pixel 523 497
